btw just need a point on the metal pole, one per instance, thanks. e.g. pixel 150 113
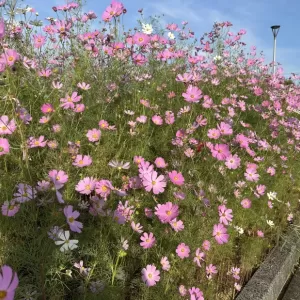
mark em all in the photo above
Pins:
pixel 274 55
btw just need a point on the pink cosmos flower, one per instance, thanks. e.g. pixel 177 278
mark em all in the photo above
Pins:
pixel 10 208
pixel 82 161
pixel 40 142
pixel 246 203
pixel 47 108
pixel 94 135
pixel 235 273
pixel 169 117
pixel 213 133
pixel 177 225
pixel 137 227
pixel 183 250
pixel 71 218
pixel 150 275
pixel 225 129
pixel 196 294
pixel 7 126
pixel 206 245
pixel 115 9
pixel 138 159
pixel 59 178
pixel 10 56
pixel 79 108
pixel 251 174
pixel 148 240
pixel 45 73
pixel 103 188
pixel 260 234
pixel 4 146
pixel 225 215
pixel 192 94
pixel 220 234
pixel 165 263
pixel 39 40
pixel 103 124
pixel 220 151
pixel 86 185
pixel 8 283
pixel 210 271
pixel 182 290
pixel 140 39
pixel 160 163
pixel 152 181
pixel 166 212
pixel 176 178
pixel 199 257
pixel 233 162
pixel 271 171
pixel 84 86
pixel 157 120
pixel 145 168
pixel 68 101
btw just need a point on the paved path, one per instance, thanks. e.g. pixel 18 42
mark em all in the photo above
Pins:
pixel 293 289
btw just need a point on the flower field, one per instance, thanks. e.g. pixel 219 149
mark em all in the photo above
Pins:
pixel 139 163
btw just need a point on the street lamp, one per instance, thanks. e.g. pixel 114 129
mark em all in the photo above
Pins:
pixel 275 30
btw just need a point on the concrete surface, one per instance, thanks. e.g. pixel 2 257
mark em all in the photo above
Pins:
pixel 269 280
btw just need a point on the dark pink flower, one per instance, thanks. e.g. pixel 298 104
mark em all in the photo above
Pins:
pixel 220 234
pixel 166 212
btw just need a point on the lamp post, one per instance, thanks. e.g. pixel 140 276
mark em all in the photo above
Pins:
pixel 275 30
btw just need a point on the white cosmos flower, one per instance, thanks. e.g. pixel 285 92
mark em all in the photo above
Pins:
pixel 217 57
pixel 240 230
pixel 272 195
pixel 171 35
pixel 64 240
pixel 147 28
pixel 270 223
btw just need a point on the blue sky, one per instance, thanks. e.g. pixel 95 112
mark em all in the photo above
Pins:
pixel 256 16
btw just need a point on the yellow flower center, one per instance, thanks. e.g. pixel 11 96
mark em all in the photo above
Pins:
pixel 94 135
pixel 141 39
pixel 150 275
pixel 71 220
pixel 104 188
pixel 87 187
pixel 80 162
pixel 1 149
pixel 168 212
pixel 153 182
pixel 57 178
pixel 3 294
pixel 10 58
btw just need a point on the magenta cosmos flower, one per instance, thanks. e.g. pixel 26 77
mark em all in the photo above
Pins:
pixel 103 188
pixel 192 94
pixel 94 135
pixel 82 161
pixel 153 182
pixel 4 146
pixel 148 240
pixel 183 250
pixel 176 178
pixel 8 283
pixel 220 234
pixel 167 212
pixel 71 218
pixel 150 275
pixel 220 151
